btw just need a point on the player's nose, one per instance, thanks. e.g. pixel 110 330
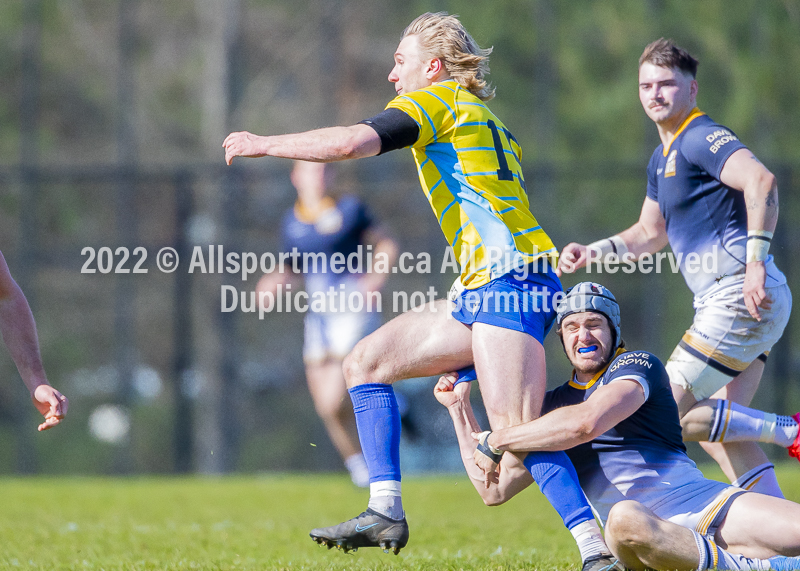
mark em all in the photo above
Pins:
pixel 656 94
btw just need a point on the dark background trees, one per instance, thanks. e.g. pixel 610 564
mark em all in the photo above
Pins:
pixel 113 114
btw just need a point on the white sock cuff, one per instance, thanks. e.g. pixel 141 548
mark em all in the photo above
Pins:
pixel 384 488
pixel 589 539
pixel 584 527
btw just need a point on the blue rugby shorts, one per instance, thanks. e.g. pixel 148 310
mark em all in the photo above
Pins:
pixel 521 300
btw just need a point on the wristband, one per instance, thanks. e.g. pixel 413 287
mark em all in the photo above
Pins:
pixel 486 449
pixel 758 242
pixel 612 245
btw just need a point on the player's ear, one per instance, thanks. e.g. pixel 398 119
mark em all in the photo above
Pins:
pixel 693 89
pixel 434 67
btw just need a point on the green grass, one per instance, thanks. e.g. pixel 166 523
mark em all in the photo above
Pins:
pixel 263 523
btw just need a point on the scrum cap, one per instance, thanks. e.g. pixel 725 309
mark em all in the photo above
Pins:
pixel 590 296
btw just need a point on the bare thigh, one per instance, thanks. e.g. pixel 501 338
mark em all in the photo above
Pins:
pixel 761 526
pixel 511 372
pixel 421 342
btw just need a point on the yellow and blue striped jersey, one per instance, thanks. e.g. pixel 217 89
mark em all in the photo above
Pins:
pixel 469 167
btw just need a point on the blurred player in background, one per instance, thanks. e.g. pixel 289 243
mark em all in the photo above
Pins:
pixel 469 168
pixel 618 420
pixel 319 224
pixel 19 334
pixel 708 195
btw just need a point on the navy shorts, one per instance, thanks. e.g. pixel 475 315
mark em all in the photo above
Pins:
pixel 522 300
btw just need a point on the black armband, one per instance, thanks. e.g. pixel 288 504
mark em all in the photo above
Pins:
pixel 396 129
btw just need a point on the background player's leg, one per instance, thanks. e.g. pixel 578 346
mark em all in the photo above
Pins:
pixel 724 339
pixel 698 418
pixel 743 462
pixel 512 376
pixel 730 420
pixel 332 403
pixel 761 526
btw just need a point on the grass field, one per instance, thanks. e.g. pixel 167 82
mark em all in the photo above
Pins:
pixel 263 523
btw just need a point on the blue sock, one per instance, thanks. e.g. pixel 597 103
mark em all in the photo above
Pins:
pixel 466 375
pixel 378 423
pixel 557 479
pixel 783 563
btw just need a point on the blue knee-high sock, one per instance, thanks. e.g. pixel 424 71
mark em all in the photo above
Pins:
pixel 378 424
pixel 557 479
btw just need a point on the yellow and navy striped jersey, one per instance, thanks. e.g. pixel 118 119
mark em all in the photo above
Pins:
pixel 469 167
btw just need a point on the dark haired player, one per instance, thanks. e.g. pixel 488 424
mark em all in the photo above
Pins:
pixel 708 196
pixel 618 421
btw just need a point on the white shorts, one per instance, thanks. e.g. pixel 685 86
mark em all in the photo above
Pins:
pixel 335 334
pixel 699 513
pixel 724 339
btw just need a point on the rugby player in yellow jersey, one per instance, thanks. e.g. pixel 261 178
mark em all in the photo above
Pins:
pixel 469 168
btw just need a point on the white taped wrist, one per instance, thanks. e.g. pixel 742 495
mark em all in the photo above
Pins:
pixel 758 242
pixel 487 449
pixel 613 245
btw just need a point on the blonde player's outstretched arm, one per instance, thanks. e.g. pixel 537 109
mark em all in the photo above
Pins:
pixel 320 145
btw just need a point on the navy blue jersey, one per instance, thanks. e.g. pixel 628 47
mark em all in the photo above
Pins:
pixel 706 220
pixel 641 458
pixel 337 230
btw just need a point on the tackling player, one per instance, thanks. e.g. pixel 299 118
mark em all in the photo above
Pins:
pixel 19 334
pixel 618 421
pixel 469 168
pixel 708 195
pixel 318 224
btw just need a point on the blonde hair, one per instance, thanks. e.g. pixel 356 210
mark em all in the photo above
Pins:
pixel 443 36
